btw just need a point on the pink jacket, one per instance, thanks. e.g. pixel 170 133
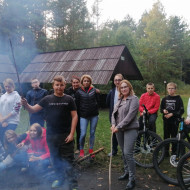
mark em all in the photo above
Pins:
pixel 152 102
pixel 39 146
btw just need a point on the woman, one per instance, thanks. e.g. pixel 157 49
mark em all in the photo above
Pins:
pixel 38 151
pixel 15 155
pixel 86 100
pixel 10 108
pixel 75 82
pixel 125 125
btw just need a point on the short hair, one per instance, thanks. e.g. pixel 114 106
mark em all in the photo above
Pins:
pixel 9 82
pixel 88 77
pixel 150 83
pixel 34 79
pixel 38 128
pixel 172 84
pixel 119 75
pixel 59 78
pixel 0 89
pixel 75 77
pixel 131 92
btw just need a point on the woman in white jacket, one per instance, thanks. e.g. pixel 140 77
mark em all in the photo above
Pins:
pixel 9 108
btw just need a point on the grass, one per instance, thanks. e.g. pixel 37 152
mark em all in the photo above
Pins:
pixel 103 133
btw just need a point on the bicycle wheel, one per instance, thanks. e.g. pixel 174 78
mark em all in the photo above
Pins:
pixel 183 172
pixel 173 149
pixel 144 147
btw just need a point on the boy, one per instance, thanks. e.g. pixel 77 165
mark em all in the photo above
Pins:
pixel 172 109
pixel 33 97
pixel 61 118
pixel 152 102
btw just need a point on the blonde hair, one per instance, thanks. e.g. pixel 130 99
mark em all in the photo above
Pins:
pixel 172 84
pixel 131 92
pixel 9 133
pixel 9 82
pixel 88 77
pixel 38 128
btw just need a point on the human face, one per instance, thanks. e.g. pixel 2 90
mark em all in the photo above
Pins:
pixel 117 80
pixel 75 84
pixel 86 82
pixel 8 88
pixel 11 139
pixel 150 89
pixel 125 91
pixel 171 90
pixel 58 88
pixel 33 132
pixel 35 84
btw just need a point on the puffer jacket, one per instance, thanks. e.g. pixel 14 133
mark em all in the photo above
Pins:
pixel 86 100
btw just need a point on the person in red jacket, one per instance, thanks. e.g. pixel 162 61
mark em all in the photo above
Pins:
pixel 152 102
pixel 38 151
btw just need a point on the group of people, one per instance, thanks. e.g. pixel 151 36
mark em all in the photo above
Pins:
pixel 64 111
pixel 67 110
pixel 124 107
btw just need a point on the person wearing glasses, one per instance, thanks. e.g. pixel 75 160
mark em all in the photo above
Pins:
pixel 111 100
pixel 33 97
pixel 172 109
pixel 125 125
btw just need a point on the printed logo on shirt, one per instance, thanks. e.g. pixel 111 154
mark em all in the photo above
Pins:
pixel 170 106
pixel 58 104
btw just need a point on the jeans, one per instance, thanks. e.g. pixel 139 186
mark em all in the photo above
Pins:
pixel 83 129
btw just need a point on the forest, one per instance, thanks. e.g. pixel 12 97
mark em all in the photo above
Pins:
pixel 159 45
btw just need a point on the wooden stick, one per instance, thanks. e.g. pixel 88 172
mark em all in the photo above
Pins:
pixel 88 155
pixel 110 163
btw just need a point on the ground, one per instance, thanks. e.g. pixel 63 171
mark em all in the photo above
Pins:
pixel 90 178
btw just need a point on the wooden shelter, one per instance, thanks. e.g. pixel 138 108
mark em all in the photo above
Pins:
pixel 102 63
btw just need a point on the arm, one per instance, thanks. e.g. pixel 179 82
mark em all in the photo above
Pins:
pixel 73 126
pixel 108 98
pixel 179 112
pixel 188 110
pixel 141 102
pixel 156 106
pixel 29 108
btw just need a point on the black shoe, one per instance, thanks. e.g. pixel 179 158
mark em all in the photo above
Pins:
pixel 130 185
pixel 124 176
pixel 113 154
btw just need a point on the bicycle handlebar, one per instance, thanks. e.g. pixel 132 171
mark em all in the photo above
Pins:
pixel 145 108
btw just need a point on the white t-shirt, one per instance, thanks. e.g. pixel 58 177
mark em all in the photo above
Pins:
pixel 188 109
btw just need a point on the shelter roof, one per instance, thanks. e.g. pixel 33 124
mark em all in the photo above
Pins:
pixel 101 63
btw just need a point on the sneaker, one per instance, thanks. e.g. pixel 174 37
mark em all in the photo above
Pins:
pixel 112 154
pixel 81 153
pixel 56 184
pixel 90 152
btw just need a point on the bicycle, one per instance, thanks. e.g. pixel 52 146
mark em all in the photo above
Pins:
pixel 145 144
pixel 183 172
pixel 173 149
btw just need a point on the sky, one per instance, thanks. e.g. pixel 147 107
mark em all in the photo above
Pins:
pixel 118 9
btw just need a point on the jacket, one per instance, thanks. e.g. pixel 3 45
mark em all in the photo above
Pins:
pixel 124 115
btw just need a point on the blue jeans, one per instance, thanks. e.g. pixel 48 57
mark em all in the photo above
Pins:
pixel 83 129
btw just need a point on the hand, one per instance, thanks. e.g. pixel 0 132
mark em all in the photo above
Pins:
pixel 4 124
pixel 2 120
pixel 34 158
pixel 20 145
pixel 24 102
pixel 114 129
pixel 187 121
pixel 165 111
pixel 168 115
pixel 69 138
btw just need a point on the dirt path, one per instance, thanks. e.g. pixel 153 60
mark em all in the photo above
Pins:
pixel 90 178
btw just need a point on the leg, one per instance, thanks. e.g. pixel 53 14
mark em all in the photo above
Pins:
pixel 78 134
pixel 152 122
pixel 114 144
pixel 141 125
pixel 83 129
pixel 93 124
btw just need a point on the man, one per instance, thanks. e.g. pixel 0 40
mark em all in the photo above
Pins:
pixel 61 118
pixel 152 102
pixel 33 97
pixel 111 100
